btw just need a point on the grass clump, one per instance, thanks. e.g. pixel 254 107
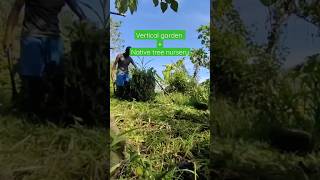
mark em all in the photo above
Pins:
pixel 162 144
pixel 199 96
pixel 30 151
pixel 240 159
pixel 143 84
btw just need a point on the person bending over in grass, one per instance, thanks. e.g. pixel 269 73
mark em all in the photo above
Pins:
pixel 122 79
pixel 41 46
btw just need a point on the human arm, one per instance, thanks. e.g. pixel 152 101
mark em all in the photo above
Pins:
pixel 114 67
pixel 134 64
pixel 12 23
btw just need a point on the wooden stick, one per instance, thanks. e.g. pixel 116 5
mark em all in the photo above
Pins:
pixel 119 14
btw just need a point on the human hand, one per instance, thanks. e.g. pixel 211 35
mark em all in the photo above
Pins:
pixel 112 77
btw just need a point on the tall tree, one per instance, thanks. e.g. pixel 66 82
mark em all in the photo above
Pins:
pixel 200 57
pixel 279 13
pixel 115 40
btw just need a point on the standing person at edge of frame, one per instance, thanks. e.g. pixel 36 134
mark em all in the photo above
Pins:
pixel 122 79
pixel 41 48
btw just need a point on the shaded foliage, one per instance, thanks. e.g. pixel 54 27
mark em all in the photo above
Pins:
pixel 115 41
pixel 254 98
pixel 86 73
pixel 132 5
pixel 176 77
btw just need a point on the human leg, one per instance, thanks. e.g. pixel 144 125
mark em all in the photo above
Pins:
pixel 31 66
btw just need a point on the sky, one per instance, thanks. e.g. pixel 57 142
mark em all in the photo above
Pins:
pixel 297 35
pixel 190 15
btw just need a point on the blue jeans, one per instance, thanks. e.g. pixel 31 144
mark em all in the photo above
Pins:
pixel 37 52
pixel 122 79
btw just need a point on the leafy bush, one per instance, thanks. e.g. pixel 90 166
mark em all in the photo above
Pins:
pixel 199 96
pixel 177 78
pixel 309 75
pixel 143 84
pixel 86 73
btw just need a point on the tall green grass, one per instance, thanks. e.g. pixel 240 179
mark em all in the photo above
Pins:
pixel 239 151
pixel 46 151
pixel 240 159
pixel 31 151
pixel 166 136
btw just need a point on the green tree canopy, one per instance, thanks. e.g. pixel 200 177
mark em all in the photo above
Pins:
pixel 132 5
pixel 116 42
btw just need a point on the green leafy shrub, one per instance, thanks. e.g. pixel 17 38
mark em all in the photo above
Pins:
pixel 143 84
pixel 86 73
pixel 199 96
pixel 309 75
pixel 177 78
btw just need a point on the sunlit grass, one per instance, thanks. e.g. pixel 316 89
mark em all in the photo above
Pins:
pixel 166 135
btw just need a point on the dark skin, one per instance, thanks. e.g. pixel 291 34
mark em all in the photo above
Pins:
pixel 126 55
pixel 14 18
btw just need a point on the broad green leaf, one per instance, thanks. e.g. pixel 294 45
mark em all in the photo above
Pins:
pixel 122 6
pixel 133 6
pixel 164 6
pixel 174 5
pixel 156 3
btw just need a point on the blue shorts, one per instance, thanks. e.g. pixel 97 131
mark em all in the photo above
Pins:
pixel 122 78
pixel 37 52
